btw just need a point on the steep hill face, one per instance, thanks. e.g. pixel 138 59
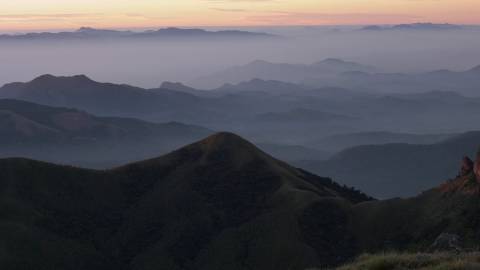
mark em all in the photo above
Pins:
pixel 74 137
pixel 217 204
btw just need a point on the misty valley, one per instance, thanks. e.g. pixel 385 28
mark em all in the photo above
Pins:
pixel 275 147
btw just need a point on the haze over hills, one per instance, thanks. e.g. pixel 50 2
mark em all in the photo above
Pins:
pixel 303 114
pixel 392 170
pixel 340 142
pixel 70 136
pixel 73 137
pixel 348 75
pixel 260 135
pixel 295 73
pixel 215 204
pixel 171 33
pixel 463 82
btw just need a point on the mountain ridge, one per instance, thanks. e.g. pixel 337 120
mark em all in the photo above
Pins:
pixel 89 33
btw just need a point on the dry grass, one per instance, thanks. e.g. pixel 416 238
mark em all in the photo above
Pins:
pixel 415 261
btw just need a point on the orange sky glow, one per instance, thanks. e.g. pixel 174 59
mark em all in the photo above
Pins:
pixel 22 15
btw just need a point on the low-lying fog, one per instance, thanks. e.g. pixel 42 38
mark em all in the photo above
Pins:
pixel 148 63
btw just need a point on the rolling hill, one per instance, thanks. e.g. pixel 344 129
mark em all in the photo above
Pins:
pixel 71 136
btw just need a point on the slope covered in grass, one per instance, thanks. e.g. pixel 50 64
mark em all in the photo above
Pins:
pixel 415 261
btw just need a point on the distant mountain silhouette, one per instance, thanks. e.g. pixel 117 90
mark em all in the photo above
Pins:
pixel 414 26
pixel 88 33
pixel 259 85
pixel 75 137
pixel 342 141
pixel 264 70
pixel 463 82
pixel 99 98
pixel 302 115
pixel 215 204
pixel 393 170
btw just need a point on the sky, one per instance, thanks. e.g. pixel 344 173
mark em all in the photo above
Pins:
pixel 21 15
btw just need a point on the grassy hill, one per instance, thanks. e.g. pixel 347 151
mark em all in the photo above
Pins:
pixel 220 203
pixel 414 261
pixel 217 204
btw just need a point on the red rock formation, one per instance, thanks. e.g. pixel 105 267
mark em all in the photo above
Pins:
pixel 476 168
pixel 467 166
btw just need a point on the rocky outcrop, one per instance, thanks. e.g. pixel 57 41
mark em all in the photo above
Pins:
pixel 476 168
pixel 446 242
pixel 467 166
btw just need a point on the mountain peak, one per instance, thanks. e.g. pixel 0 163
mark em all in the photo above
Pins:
pixel 44 77
pixel 228 142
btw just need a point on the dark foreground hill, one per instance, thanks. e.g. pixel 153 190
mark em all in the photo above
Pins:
pixel 70 136
pixel 217 204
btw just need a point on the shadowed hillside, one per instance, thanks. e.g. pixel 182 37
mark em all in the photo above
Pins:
pixel 216 204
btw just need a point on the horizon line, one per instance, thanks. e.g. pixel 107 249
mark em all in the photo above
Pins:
pixel 119 28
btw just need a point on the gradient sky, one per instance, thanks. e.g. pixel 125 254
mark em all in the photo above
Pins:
pixel 20 15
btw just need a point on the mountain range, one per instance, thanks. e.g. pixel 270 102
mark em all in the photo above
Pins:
pixel 415 26
pixel 299 124
pixel 219 203
pixel 353 76
pixel 242 105
pixel 88 33
pixel 74 137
